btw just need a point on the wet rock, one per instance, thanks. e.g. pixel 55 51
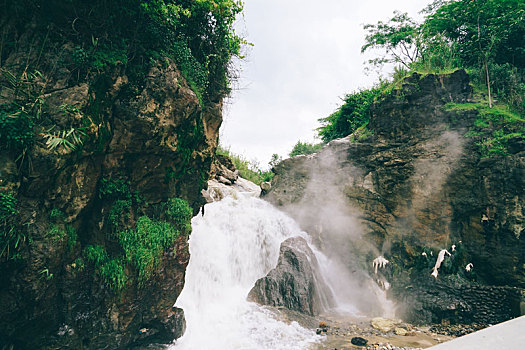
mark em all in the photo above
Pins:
pixel 138 139
pixel 359 341
pixel 295 282
pixel 419 183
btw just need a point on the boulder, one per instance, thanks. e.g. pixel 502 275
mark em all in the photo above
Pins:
pixel 295 283
pixel 383 324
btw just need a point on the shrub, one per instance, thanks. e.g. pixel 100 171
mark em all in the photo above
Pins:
pixel 354 113
pixel 305 148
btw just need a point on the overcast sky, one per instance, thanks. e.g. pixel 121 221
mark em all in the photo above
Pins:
pixel 306 57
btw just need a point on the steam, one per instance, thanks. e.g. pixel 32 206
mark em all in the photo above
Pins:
pixel 427 206
pixel 336 228
pixel 431 172
pixel 331 182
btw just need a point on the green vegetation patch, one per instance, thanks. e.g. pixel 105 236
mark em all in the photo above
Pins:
pixel 11 237
pixel 353 114
pixel 494 128
pixel 143 245
pixel 248 170
pixel 305 148
pixel 59 229
pixel 180 213
pixel 111 270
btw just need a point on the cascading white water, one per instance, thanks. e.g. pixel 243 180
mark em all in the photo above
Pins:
pixel 235 243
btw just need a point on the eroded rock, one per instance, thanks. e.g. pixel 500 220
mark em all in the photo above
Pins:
pixel 295 282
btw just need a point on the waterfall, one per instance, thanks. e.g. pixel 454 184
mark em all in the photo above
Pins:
pixel 235 243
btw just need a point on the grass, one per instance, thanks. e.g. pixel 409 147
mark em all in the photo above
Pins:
pixel 141 247
pixel 493 128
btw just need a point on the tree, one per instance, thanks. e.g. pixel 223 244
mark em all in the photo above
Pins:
pixel 399 37
pixel 484 32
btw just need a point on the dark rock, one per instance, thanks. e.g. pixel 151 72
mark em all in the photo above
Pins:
pixel 153 135
pixel 295 283
pixel 419 185
pixel 359 341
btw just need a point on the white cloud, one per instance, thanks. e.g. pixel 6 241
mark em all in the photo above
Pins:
pixel 306 57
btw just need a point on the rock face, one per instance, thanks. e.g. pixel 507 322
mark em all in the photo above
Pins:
pixel 153 138
pixel 418 185
pixel 295 282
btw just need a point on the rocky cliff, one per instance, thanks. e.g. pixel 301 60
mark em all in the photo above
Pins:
pixel 100 173
pixel 415 184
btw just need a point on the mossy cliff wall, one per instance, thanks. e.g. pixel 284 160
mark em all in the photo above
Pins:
pixel 105 148
pixel 418 184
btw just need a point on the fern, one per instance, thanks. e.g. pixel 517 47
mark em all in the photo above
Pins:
pixel 69 140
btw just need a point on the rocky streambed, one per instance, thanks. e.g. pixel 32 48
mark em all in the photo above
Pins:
pixel 343 332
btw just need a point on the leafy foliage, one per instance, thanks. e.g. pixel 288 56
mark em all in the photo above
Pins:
pixel 198 35
pixel 11 237
pixel 485 37
pixel 113 188
pixel 399 37
pixel 69 140
pixel 113 274
pixel 353 114
pixel 96 254
pixel 111 270
pixel 141 246
pixel 305 148
pixel 24 107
